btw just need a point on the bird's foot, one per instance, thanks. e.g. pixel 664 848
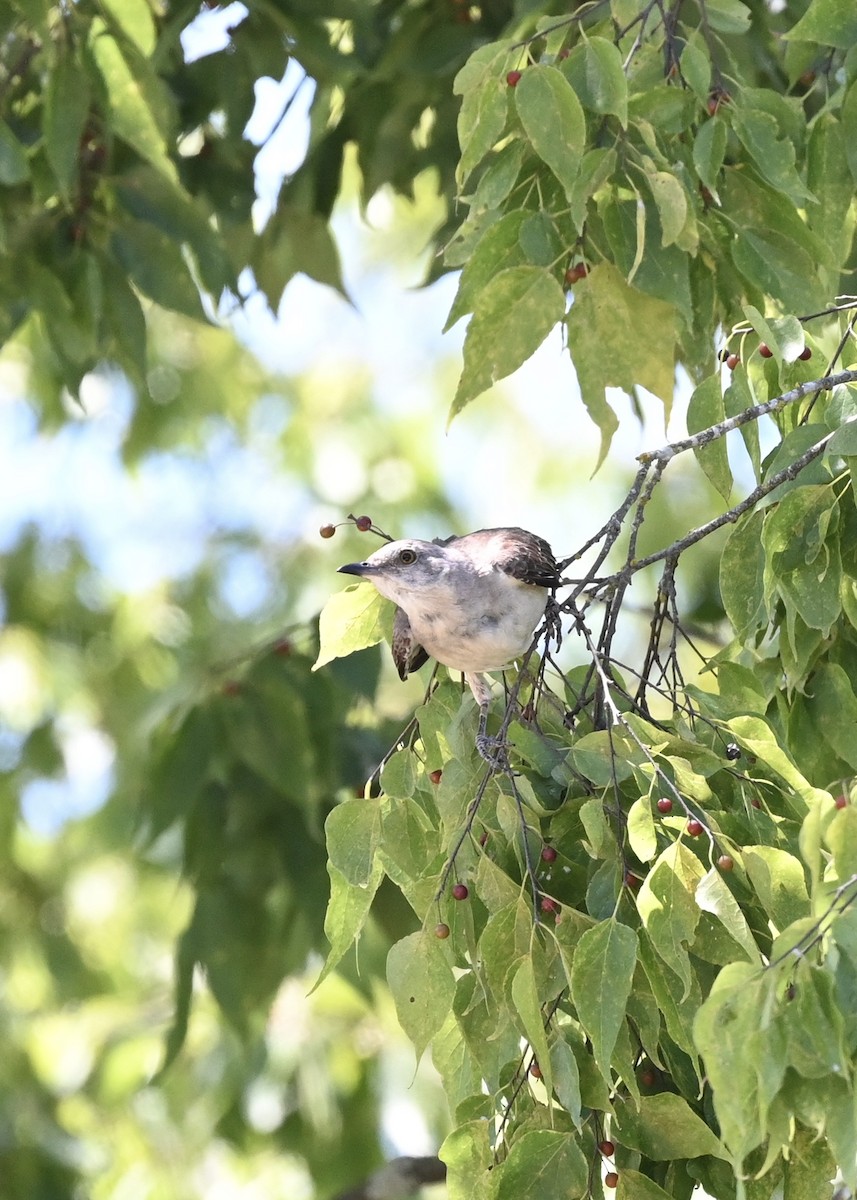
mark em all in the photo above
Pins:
pixel 493 750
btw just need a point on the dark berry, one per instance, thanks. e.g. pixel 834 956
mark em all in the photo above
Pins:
pixel 723 354
pixel 725 862
pixel 606 1147
pixel 441 930
pixel 648 1078
pixel 548 905
pixel 841 802
pixel 733 752
pixel 805 354
pixel 755 803
pixel 665 805
pixel 765 350
pixel 327 531
pixel 283 648
pixel 732 361
pixel 694 827
pixel 460 892
pixel 548 854
pixel 632 881
pixel 535 1070
pixel 364 524
pixel 435 776
pixel 611 1179
pixel 231 688
pixel 513 78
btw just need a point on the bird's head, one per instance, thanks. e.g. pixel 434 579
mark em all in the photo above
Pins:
pixel 404 568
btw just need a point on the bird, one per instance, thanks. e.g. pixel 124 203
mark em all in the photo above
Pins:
pixel 472 603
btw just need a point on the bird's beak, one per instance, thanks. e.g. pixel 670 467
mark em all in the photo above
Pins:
pixel 355 569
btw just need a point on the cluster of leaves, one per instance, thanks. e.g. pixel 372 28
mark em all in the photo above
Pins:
pixel 658 163
pixel 126 178
pixel 645 930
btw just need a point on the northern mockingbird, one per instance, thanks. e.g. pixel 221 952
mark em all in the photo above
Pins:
pixel 470 602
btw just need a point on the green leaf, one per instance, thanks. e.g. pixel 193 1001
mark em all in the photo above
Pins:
pixel 634 1186
pixel 566 1078
pixel 66 110
pixel 468 1156
pixel 642 835
pixel 756 736
pixel 833 708
pixel 705 409
pixel 742 576
pixel 351 620
pixel 295 241
pixel 14 166
pixel 498 249
pixel 671 201
pixel 553 121
pixel 828 22
pixel 709 151
pixel 156 267
pixel 525 998
pixel 594 69
pixel 814 1026
pixel 668 908
pixel 829 179
pixel 150 196
pixel 134 105
pixel 601 977
pixel 134 19
pixel 779 881
pixel 677 1007
pixel 422 985
pixel 603 303
pixel 353 831
pixel 811 1165
pixel 727 16
pixel 743 1052
pixel 347 910
pixel 713 896
pixel 772 154
pixel 543 1165
pixel 664 1127
pixel 482 117
pixel 510 321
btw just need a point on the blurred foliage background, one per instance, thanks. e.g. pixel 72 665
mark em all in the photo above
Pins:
pixel 167 756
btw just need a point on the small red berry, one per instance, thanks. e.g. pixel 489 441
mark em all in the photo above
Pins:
pixel 765 350
pixel 577 272
pixel 755 803
pixel 512 78
pixel 665 805
pixel 648 1078
pixel 283 648
pixel 441 930
pixel 725 862
pixel 548 854
pixel 535 1070
pixel 611 1179
pixel 460 892
pixel 435 776
pixel 606 1147
pixel 364 524
pixel 694 827
pixel 327 531
pixel 732 361
pixel 841 802
pixel 548 905
pixel 632 881
pixel 483 840
pixel 805 354
pixel 231 688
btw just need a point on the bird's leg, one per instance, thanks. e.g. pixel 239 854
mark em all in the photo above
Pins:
pixel 491 749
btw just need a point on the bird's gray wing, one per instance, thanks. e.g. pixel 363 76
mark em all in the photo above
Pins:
pixel 408 654
pixel 527 557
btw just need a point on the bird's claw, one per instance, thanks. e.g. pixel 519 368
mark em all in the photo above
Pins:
pixel 493 751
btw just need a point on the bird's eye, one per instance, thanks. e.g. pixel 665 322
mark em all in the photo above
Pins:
pixel 407 557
